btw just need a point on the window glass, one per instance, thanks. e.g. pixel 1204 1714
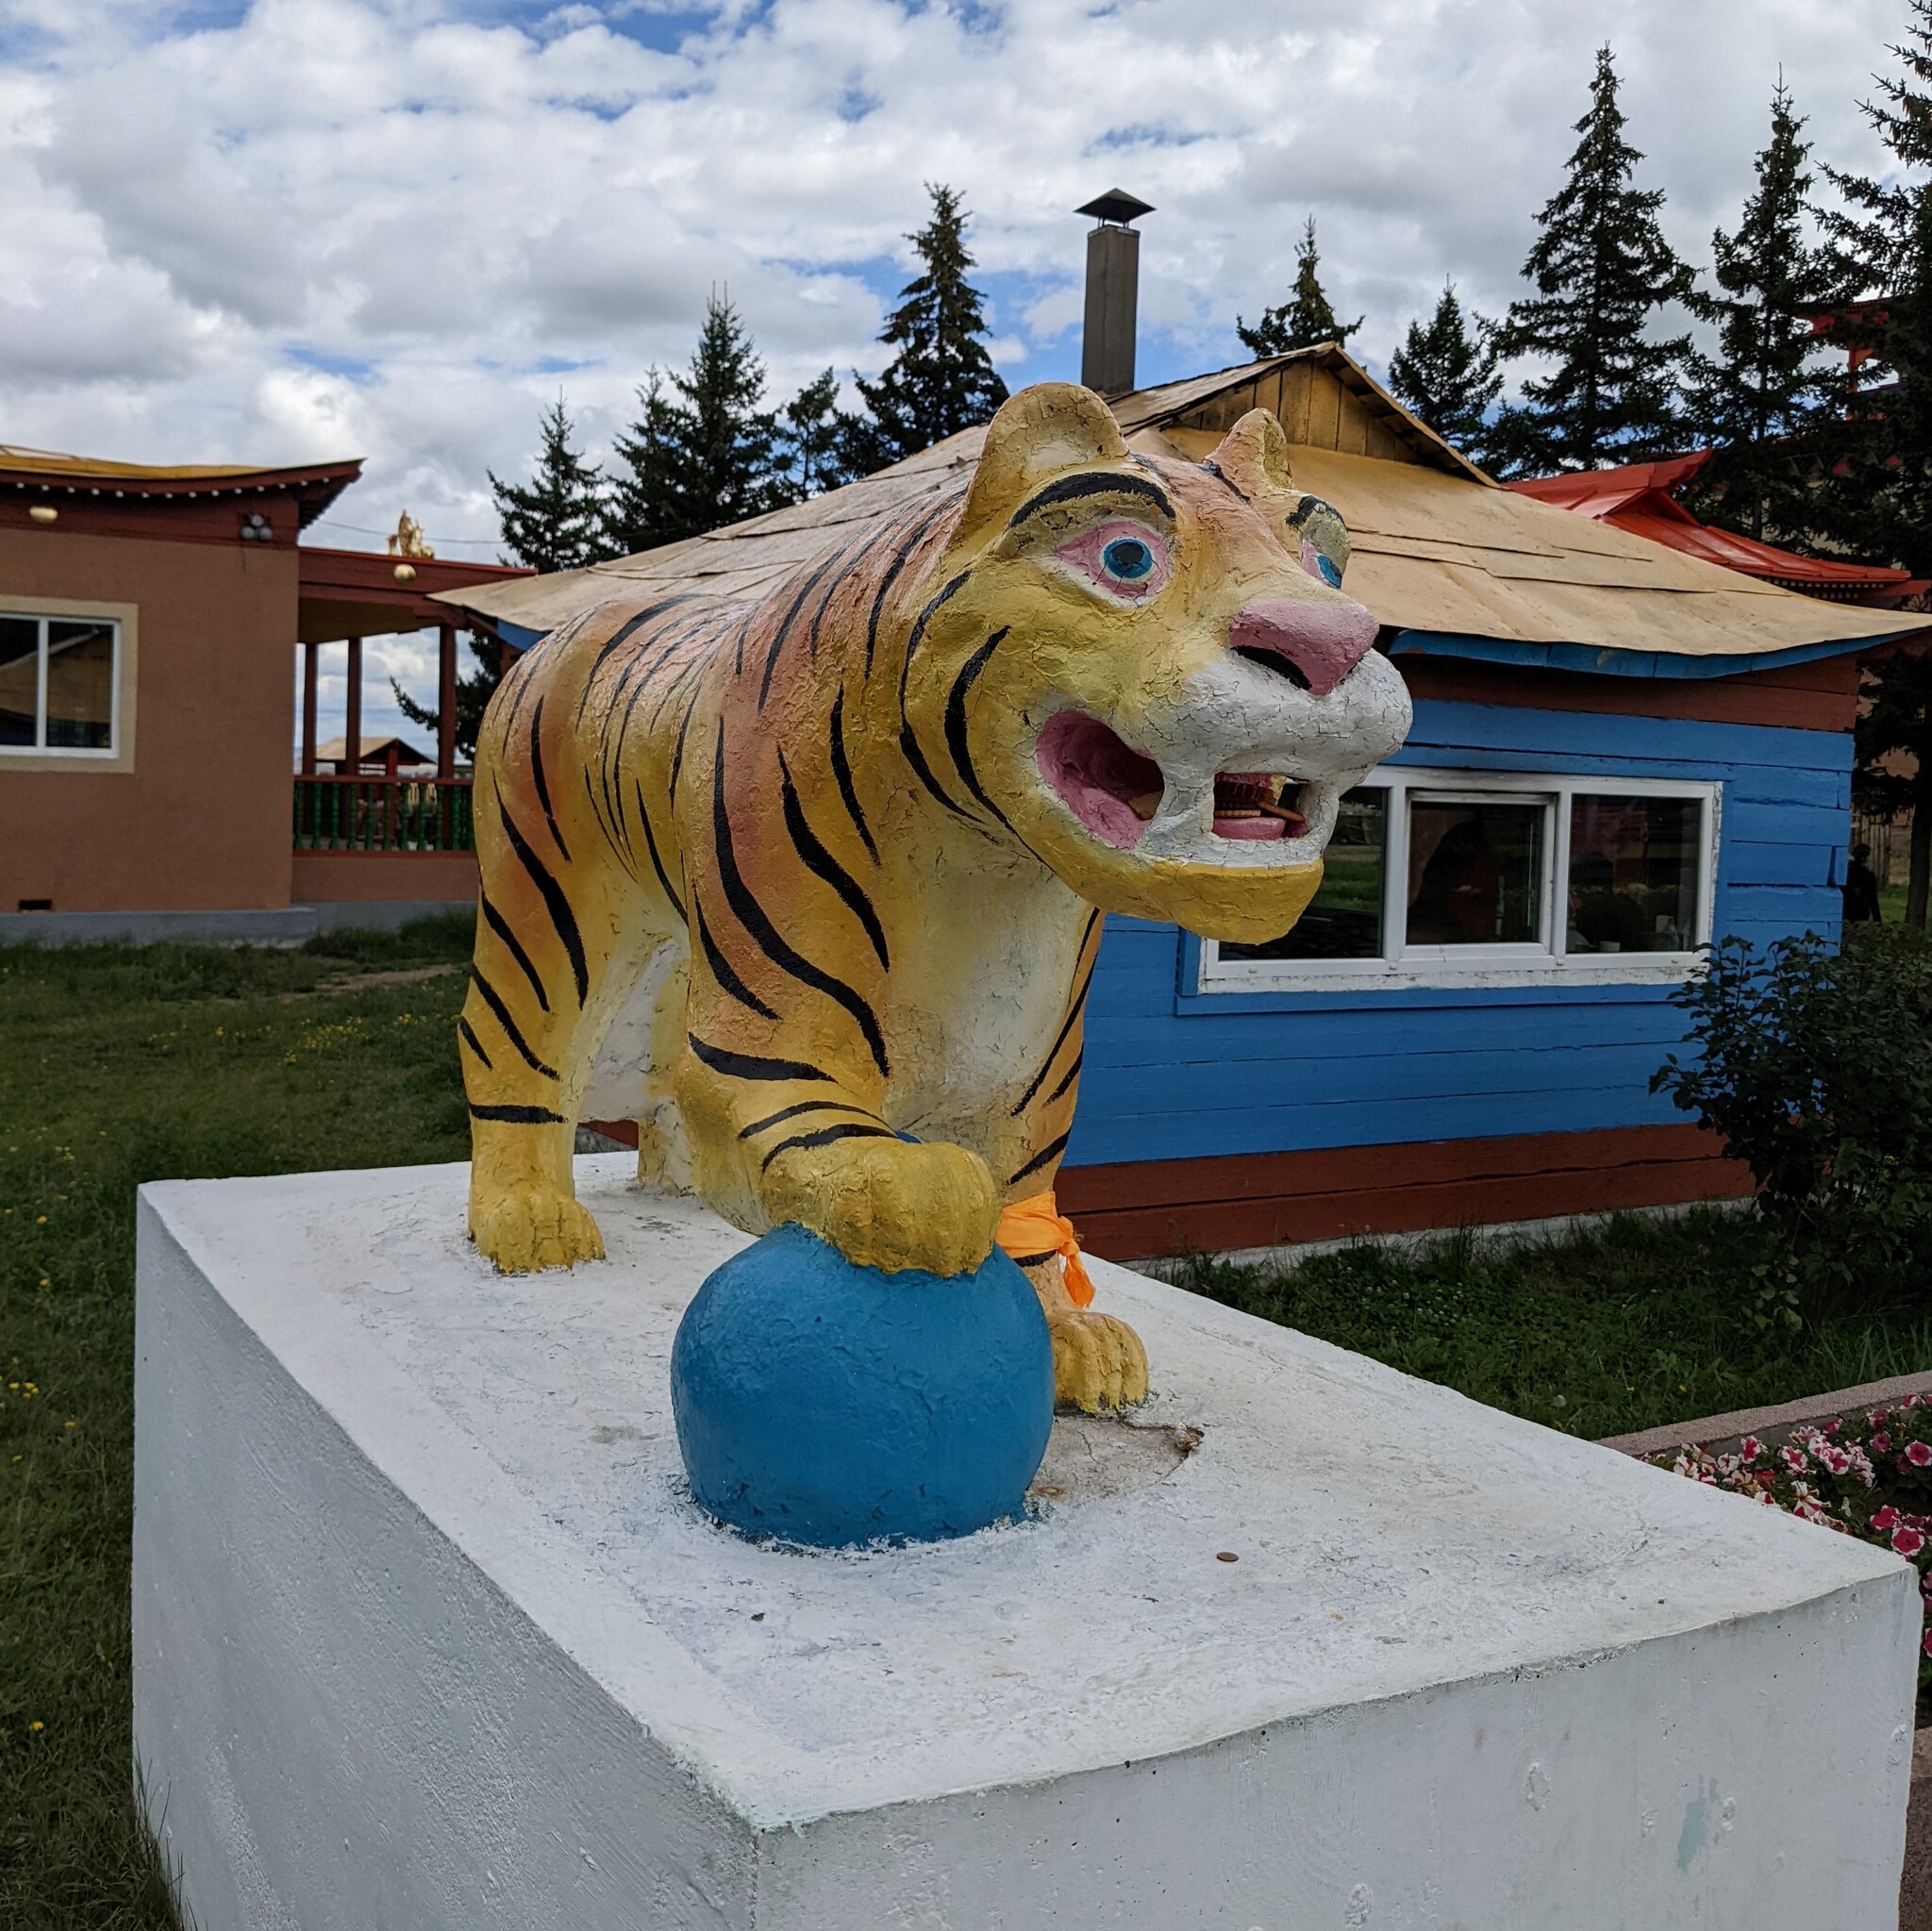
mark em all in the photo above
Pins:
pixel 1345 918
pixel 19 671
pixel 1633 873
pixel 80 684
pixel 1476 872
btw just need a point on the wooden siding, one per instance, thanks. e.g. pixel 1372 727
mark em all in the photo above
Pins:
pixel 1131 1210
pixel 1173 1075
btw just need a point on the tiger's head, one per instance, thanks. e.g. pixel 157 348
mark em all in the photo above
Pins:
pixel 1148 670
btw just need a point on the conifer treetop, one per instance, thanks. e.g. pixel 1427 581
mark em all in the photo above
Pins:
pixel 1445 373
pixel 1306 318
pixel 942 381
pixel 556 520
pixel 1600 268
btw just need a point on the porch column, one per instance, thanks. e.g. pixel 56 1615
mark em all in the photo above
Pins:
pixel 311 666
pixel 352 723
pixel 446 704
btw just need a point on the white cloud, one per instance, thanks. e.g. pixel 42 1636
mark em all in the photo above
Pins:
pixel 394 228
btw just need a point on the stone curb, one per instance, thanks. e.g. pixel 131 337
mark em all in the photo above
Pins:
pixel 1719 1433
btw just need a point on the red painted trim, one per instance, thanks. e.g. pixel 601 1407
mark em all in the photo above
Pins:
pixel 1822 696
pixel 624 1131
pixel 1133 1209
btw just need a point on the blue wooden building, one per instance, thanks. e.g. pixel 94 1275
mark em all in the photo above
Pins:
pixel 1620 753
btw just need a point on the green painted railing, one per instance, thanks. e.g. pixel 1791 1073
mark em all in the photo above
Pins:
pixel 376 814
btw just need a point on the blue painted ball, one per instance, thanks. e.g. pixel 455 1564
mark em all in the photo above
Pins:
pixel 830 1404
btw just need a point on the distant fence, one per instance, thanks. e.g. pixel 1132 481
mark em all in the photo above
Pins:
pixel 1891 840
pixel 377 814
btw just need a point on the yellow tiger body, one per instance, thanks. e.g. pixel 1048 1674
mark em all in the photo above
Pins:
pixel 839 859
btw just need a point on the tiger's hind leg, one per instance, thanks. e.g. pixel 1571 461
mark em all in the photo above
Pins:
pixel 562 932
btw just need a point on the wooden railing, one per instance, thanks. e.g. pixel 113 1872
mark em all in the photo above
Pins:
pixel 379 814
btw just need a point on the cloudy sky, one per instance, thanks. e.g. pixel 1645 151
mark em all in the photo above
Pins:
pixel 396 228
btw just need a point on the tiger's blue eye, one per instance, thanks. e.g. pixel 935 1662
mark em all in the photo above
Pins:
pixel 1330 574
pixel 1127 559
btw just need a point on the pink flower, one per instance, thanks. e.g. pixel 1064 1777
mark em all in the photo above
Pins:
pixel 1751 1448
pixel 1906 1541
pixel 1836 1459
pixel 1919 1454
pixel 1882 1443
pixel 1793 1458
pixel 1886 1518
pixel 1877 1416
pixel 1911 1400
pixel 1925 1643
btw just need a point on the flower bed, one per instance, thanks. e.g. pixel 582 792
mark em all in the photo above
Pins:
pixel 1870 1477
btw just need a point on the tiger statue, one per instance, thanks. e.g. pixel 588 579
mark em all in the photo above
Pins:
pixel 838 859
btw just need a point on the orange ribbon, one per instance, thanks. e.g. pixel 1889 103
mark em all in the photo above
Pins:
pixel 1031 1227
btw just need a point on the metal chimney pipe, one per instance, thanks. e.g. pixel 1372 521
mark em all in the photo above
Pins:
pixel 1113 292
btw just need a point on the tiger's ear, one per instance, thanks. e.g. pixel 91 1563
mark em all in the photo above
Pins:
pixel 1041 431
pixel 1252 456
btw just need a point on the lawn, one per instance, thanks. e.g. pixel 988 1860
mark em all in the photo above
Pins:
pixel 119 1065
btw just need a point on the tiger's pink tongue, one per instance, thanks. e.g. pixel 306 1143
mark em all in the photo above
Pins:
pixel 1257 827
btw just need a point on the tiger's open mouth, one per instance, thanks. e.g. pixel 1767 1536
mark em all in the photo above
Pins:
pixel 1116 793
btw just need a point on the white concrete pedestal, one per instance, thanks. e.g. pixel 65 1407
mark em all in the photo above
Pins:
pixel 426 1639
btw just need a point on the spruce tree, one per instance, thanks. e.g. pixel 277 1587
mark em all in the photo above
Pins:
pixel 1600 268
pixel 1446 373
pixel 812 431
pixel 701 453
pixel 941 380
pixel 1755 400
pixel 1306 318
pixel 1875 493
pixel 474 689
pixel 556 520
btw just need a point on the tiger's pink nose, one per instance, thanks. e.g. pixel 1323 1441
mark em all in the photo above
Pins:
pixel 1314 644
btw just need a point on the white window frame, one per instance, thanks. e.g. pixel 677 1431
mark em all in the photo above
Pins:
pixel 117 753
pixel 1405 967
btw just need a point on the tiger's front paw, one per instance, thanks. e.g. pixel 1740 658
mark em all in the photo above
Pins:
pixel 889 1203
pixel 1098 1362
pixel 529 1229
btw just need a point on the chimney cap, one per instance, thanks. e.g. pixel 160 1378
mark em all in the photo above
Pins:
pixel 1116 205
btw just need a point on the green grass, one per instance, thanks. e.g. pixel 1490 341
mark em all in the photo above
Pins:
pixel 1631 1323
pixel 120 1065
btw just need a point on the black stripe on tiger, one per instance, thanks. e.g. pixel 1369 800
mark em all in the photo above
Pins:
pixel 1067 1024
pixel 626 630
pixel 722 968
pixel 1069 1077
pixel 841 770
pixel 898 563
pixel 821 864
pixel 923 772
pixel 471 1040
pixel 691 711
pixel 494 1000
pixel 751 1066
pixel 956 722
pixel 767 936
pixel 825 1135
pixel 784 630
pixel 1046 1156
pixel 517 1116
pixel 562 919
pixel 938 598
pixel 657 863
pixel 785 1113
pixel 1070 489
pixel 501 927
pixel 543 782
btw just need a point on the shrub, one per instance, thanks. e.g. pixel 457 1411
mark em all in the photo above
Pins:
pixel 1815 1068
